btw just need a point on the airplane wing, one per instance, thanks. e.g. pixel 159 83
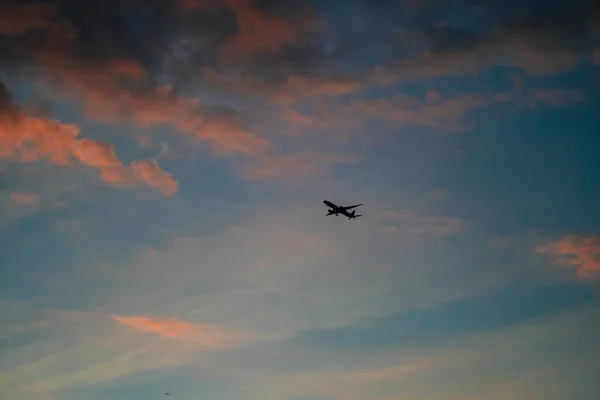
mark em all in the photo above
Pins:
pixel 330 204
pixel 349 207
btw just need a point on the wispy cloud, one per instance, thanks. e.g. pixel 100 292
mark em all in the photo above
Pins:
pixel 543 43
pixel 245 115
pixel 26 199
pixel 16 205
pixel 579 252
pixel 172 328
pixel 87 349
pixel 434 110
pixel 419 224
pixel 81 350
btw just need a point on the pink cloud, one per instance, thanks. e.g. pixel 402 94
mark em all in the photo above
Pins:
pixel 29 139
pixel 105 100
pixel 24 199
pixel 172 328
pixel 582 253
pixel 293 89
pixel 258 30
pixel 298 118
pixel 20 19
pixel 105 90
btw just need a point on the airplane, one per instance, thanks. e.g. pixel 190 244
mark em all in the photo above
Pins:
pixel 335 210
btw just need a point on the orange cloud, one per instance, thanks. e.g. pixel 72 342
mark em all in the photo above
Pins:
pixel 105 100
pixel 24 198
pixel 582 253
pixel 122 90
pixel 172 328
pixel 258 30
pixel 18 20
pixel 29 139
pixel 294 88
pixel 298 118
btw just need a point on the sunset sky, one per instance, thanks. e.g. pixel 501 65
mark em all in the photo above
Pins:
pixel 163 166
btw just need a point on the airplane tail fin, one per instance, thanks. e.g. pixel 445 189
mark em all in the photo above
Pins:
pixel 353 215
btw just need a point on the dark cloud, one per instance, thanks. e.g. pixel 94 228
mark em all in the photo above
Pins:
pixel 6 100
pixel 249 43
pixel 540 38
pixel 155 33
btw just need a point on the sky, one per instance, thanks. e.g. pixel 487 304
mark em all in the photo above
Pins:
pixel 163 166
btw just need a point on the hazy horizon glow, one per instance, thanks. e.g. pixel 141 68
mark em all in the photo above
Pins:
pixel 163 166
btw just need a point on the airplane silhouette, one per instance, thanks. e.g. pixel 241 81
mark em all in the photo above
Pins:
pixel 335 210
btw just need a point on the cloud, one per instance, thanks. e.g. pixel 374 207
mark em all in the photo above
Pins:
pixel 192 66
pixel 542 43
pixel 435 111
pixel 17 204
pixel 264 45
pixel 25 199
pixel 27 139
pixel 64 350
pixel 123 80
pixel 444 115
pixel 419 224
pixel 294 167
pixel 205 335
pixel 20 19
pixel 354 382
pixel 105 100
pixel 259 29
pixel 580 252
pixel 447 322
pixel 521 361
pixel 554 97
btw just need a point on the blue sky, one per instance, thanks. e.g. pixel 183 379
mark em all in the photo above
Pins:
pixel 162 172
